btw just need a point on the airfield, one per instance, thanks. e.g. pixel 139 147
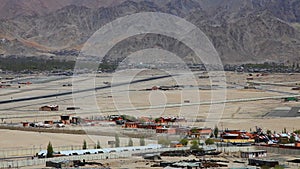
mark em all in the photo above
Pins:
pixel 243 108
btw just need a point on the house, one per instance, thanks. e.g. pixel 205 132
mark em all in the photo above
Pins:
pixel 202 133
pixel 25 124
pixel 254 154
pixel 49 108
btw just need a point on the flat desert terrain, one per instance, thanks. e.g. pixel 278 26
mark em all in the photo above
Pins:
pixel 191 101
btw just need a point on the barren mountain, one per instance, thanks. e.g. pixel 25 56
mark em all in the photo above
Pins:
pixel 241 31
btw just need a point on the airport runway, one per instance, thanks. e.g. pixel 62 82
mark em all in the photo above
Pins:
pixel 81 91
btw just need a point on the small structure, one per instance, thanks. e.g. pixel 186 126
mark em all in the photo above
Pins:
pixel 73 108
pixel 166 130
pixel 288 99
pixel 76 120
pixel 49 108
pixel 59 164
pixel 48 122
pixel 202 133
pixel 131 125
pixel 175 144
pixel 65 119
pixel 253 154
pixel 260 162
pixel 153 157
pixel 25 124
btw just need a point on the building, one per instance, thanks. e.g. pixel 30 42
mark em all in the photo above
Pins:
pixel 25 124
pixel 175 144
pixel 73 108
pixel 50 122
pixel 166 130
pixel 253 154
pixel 201 133
pixel 49 108
pixel 131 124
pixel 76 120
pixel 260 162
pixel 59 164
pixel 65 119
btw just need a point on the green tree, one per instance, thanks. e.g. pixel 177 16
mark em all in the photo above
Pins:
pixel 49 150
pixel 269 132
pixel 209 141
pixel 184 141
pixel 142 141
pixel 195 145
pixel 117 139
pixel 98 145
pixel 130 142
pixel 194 130
pixel 284 130
pixel 292 139
pixel 297 131
pixel 84 146
pixel 216 131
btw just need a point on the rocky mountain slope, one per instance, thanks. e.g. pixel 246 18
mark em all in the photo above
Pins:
pixel 241 31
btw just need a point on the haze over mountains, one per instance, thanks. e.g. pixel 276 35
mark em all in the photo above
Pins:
pixel 241 31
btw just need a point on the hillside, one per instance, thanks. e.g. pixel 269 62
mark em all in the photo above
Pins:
pixel 241 31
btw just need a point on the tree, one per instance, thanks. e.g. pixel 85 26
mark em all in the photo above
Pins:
pixel 269 132
pixel 194 130
pixel 184 141
pixel 209 141
pixel 284 130
pixel 297 131
pixel 130 142
pixel 216 131
pixel 49 150
pixel 292 139
pixel 98 145
pixel 142 141
pixel 117 139
pixel 195 145
pixel 84 146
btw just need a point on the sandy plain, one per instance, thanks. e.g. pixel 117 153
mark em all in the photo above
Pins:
pixel 126 99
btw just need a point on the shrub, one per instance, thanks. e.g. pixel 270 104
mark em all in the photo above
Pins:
pixel 209 141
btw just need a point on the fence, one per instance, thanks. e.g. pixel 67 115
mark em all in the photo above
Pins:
pixel 227 148
pixel 35 162
pixel 5 153
pixel 276 150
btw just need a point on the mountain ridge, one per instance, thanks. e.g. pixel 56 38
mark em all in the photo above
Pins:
pixel 243 31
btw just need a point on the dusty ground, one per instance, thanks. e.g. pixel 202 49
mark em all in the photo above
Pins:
pixel 238 115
